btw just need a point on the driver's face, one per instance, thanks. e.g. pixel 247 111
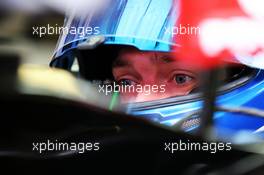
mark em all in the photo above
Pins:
pixel 155 69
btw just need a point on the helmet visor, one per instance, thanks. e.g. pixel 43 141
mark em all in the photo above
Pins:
pixel 144 24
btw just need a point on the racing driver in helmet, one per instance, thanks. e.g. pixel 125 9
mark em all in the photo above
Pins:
pixel 129 43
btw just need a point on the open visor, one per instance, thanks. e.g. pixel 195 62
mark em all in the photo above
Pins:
pixel 144 24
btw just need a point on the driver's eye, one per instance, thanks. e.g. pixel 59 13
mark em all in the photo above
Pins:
pixel 126 82
pixel 182 78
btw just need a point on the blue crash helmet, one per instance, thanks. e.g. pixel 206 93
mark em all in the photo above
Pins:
pixel 143 24
pixel 94 39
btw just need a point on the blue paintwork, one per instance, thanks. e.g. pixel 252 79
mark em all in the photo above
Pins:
pixel 145 24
